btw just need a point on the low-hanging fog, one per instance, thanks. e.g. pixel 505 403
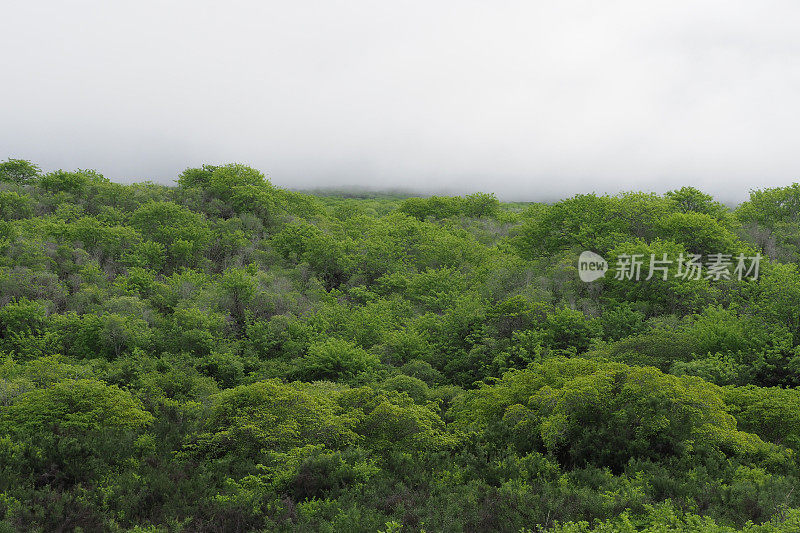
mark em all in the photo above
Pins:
pixel 531 100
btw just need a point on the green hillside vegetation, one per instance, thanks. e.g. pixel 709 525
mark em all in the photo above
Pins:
pixel 227 355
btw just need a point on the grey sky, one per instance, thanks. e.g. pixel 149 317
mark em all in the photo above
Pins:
pixel 530 100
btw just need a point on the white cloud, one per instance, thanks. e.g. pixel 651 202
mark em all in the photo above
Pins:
pixel 528 99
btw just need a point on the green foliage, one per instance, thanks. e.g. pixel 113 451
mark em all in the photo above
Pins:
pixel 691 200
pixel 477 205
pixel 435 207
pixel 22 328
pixel 609 414
pixel 226 355
pixel 70 182
pixel 196 177
pixel 251 420
pixel 324 254
pixel 666 519
pixel 335 359
pixel 67 433
pixel 771 413
pixel 620 321
pixel 18 170
pixel 590 222
pixel 663 293
pixel 183 233
pixel 567 328
pixel 699 232
pixel 14 206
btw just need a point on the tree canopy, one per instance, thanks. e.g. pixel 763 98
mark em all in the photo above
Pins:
pixel 227 355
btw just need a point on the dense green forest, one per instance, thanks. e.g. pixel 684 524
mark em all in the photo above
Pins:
pixel 226 355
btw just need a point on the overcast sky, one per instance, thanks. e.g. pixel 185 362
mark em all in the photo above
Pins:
pixel 531 100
